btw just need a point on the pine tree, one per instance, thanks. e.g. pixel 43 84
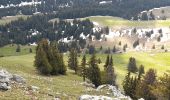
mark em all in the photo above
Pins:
pixel 83 64
pixel 72 61
pixel 110 73
pixel 48 59
pixel 107 61
pixel 126 84
pixel 18 49
pixel 41 61
pixel 114 49
pixel 30 50
pixel 141 69
pixel 94 72
pixel 132 65
pixel 57 61
pixel 145 86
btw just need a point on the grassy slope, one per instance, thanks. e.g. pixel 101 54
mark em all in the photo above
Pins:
pixel 6 20
pixel 119 22
pixel 70 84
pixel 10 50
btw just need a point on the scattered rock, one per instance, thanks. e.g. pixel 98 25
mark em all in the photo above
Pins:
pixel 18 79
pixel 4 86
pixel 6 79
pixel 88 84
pixel 34 88
pixel 94 97
pixel 115 91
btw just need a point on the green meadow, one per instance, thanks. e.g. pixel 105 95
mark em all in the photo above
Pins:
pixel 69 86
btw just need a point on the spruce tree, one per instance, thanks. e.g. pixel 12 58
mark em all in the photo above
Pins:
pixel 72 60
pixel 107 62
pixel 18 49
pixel 132 65
pixel 83 64
pixel 110 73
pixel 30 50
pixel 94 71
pixel 126 84
pixel 41 61
pixel 57 61
pixel 145 87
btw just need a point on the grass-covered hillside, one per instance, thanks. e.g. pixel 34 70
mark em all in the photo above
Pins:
pixel 8 19
pixel 69 86
pixel 116 22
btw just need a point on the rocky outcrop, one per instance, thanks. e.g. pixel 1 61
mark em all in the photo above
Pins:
pixel 109 89
pixel 7 78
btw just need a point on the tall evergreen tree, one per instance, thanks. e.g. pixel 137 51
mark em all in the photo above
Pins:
pixel 48 60
pixel 41 61
pixel 110 73
pixel 144 89
pixel 18 49
pixel 94 71
pixel 72 60
pixel 132 65
pixel 107 62
pixel 83 64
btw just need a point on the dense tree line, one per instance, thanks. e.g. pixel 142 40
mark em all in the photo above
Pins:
pixel 34 28
pixel 82 8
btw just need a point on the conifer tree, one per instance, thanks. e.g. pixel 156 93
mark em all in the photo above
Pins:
pixel 18 49
pixel 41 61
pixel 30 50
pixel 94 71
pixel 48 59
pixel 110 73
pixel 114 49
pixel 144 89
pixel 83 64
pixel 126 84
pixel 107 61
pixel 72 60
pixel 141 69
pixel 132 65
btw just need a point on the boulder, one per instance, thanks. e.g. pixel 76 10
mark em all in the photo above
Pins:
pixel 34 88
pixel 4 86
pixel 93 97
pixel 18 79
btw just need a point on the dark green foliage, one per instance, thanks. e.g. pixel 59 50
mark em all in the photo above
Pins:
pixel 144 89
pixel 48 60
pixel 18 49
pixel 132 65
pixel 20 31
pixel 120 43
pixel 162 47
pixel 136 43
pixel 153 47
pixel 124 47
pixel 30 50
pixel 94 71
pixel 83 64
pixel 141 69
pixel 114 49
pixel 110 73
pixel 144 16
pixel 107 61
pixel 92 49
pixel 72 60
pixel 41 59
pixel 162 88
